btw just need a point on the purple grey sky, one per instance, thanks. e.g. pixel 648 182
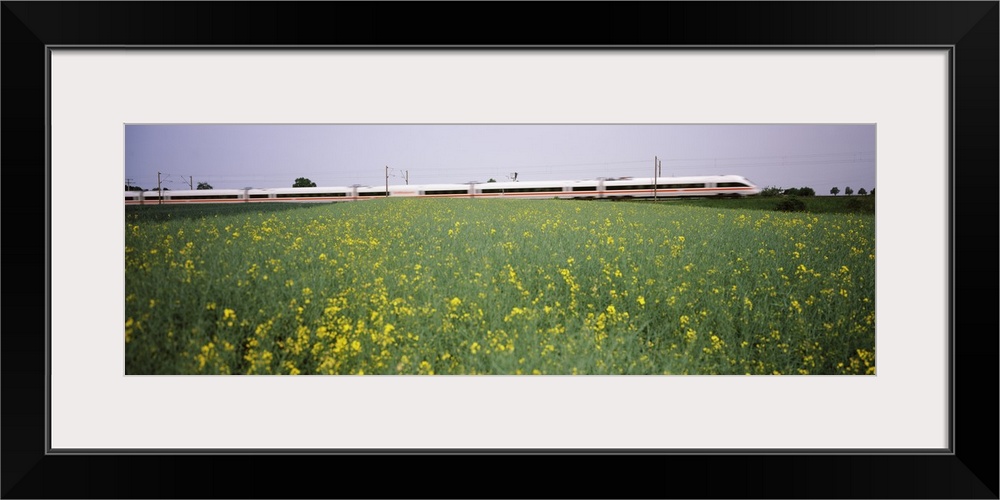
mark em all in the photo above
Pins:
pixel 270 156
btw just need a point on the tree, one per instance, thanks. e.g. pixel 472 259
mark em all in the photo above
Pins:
pixel 862 192
pixel 302 182
pixel 848 191
pixel 491 180
pixel 133 188
pixel 835 190
pixel 872 192
pixel 204 185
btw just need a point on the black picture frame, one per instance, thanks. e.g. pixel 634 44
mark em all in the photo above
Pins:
pixel 969 470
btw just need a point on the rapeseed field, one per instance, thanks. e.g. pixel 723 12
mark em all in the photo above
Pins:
pixel 497 287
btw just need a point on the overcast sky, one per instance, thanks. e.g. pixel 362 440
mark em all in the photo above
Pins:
pixel 269 156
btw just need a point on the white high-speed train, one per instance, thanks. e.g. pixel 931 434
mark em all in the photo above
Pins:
pixel 618 188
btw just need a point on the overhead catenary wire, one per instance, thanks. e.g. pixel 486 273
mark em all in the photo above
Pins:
pixel 550 171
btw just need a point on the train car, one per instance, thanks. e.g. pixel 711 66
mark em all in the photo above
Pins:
pixel 530 189
pixel 667 187
pixel 133 197
pixel 434 190
pixel 310 194
pixel 194 196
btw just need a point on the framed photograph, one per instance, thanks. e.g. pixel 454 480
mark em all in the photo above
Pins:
pixel 838 369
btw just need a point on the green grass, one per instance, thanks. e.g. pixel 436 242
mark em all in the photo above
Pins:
pixel 457 286
pixel 814 204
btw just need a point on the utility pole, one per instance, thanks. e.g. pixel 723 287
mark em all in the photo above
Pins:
pixel 387 180
pixel 657 172
pixel 159 187
pixel 407 177
pixel 191 181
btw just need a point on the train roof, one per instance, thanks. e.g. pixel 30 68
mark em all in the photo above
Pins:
pixel 424 187
pixel 305 190
pixel 202 192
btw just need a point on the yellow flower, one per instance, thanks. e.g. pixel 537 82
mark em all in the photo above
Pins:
pixel 455 302
pixel 690 335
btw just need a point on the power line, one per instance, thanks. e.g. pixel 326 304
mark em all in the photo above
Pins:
pixel 771 157
pixel 533 171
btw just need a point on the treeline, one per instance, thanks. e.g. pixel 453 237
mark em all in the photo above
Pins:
pixel 777 191
pixel 808 191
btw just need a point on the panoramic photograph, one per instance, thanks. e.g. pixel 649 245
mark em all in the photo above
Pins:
pixel 521 249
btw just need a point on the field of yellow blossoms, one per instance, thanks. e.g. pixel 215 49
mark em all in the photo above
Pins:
pixel 497 287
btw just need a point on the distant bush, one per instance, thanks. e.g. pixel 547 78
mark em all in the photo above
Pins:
pixel 792 204
pixel 857 204
pixel 770 192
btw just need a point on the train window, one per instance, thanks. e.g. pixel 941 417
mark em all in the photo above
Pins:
pixel 731 184
pixel 258 196
pixel 448 191
pixel 206 197
pixel 371 193
pixel 682 186
pixel 301 195
pixel 584 188
pixel 623 188
pixel 522 190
